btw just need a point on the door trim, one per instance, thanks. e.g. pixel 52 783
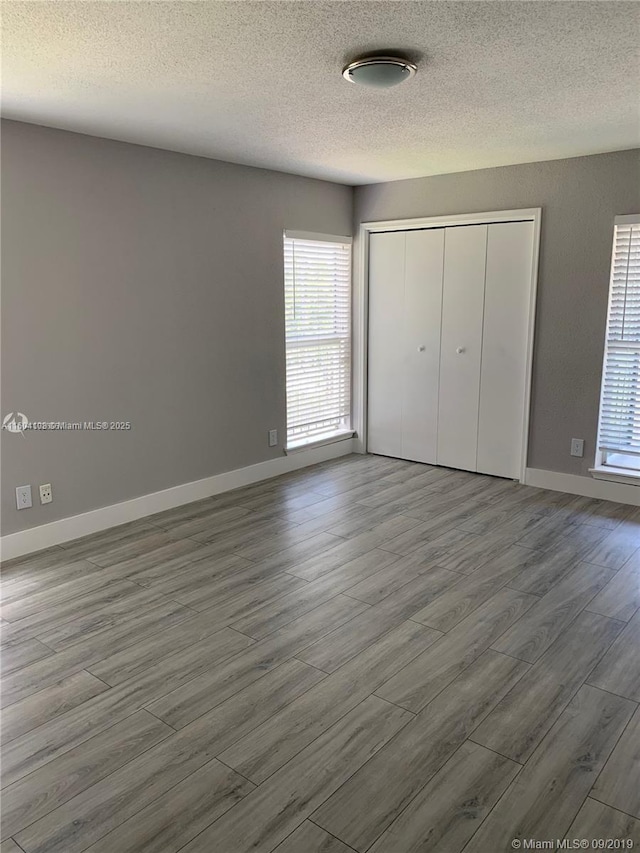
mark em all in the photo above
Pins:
pixel 361 304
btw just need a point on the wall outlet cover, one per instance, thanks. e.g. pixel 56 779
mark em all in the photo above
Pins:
pixel 46 494
pixel 273 438
pixel 577 446
pixel 23 497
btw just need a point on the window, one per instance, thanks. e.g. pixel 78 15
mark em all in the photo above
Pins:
pixel 317 287
pixel 619 428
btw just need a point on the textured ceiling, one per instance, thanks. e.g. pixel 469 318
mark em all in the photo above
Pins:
pixel 259 82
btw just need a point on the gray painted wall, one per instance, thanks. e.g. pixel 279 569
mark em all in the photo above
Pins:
pixel 145 286
pixel 579 198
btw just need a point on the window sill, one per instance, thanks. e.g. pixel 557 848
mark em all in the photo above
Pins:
pixel 320 442
pixel 616 475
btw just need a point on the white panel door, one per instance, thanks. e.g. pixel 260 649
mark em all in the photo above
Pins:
pixel 503 379
pixel 386 320
pixel 461 344
pixel 421 343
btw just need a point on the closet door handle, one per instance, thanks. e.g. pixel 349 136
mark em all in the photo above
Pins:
pixel 460 350
pixel 421 348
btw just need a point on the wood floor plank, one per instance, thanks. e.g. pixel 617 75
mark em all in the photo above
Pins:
pixel 619 670
pixel 286 537
pixel 448 543
pixel 599 513
pixel 104 642
pixel 125 539
pixel 418 593
pixel 112 535
pixel 271 745
pixel 520 721
pixel 301 551
pixel 106 805
pixel 561 529
pixel 86 627
pixel 348 549
pixel 202 693
pixel 169 822
pixel 471 591
pixel 617 547
pixel 49 599
pixel 368 803
pixel 273 615
pixel 16 655
pixel 331 506
pixel 498 519
pixel 477 552
pixel 166 558
pixel 43 559
pixel 267 815
pixel 50 618
pixel 331 652
pixel 10 846
pixel 545 569
pixel 366 519
pixel 619 783
pixel 376 587
pixel 311 839
pixel 216 577
pixel 595 820
pixel 32 797
pixel 330 512
pixel 207 522
pixel 419 682
pixel 165 568
pixel 409 490
pixel 133 660
pixel 545 797
pixel 449 809
pixel 237 607
pixel 28 752
pixel 620 598
pixel 349 479
pixel 21 585
pixel 284 500
pixel 127 550
pixel 49 703
pixel 452 509
pixel 440 541
pixel 167 517
pixel 551 614
pixel 238 534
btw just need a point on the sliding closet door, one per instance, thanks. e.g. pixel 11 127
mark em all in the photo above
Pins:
pixel 503 379
pixel 421 344
pixel 385 362
pixel 405 304
pixel 461 345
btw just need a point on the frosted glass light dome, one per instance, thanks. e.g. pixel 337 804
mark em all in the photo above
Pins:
pixel 379 72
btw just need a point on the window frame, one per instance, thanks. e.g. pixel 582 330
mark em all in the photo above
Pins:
pixel 602 469
pixel 343 433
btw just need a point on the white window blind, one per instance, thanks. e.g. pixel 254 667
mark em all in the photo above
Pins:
pixel 317 285
pixel 619 430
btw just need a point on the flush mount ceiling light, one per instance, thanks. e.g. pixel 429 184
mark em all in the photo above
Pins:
pixel 379 72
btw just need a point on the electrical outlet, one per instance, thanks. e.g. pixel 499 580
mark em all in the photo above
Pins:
pixel 46 495
pixel 577 446
pixel 273 438
pixel 23 497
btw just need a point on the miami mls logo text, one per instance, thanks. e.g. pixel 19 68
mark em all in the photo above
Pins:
pixel 15 422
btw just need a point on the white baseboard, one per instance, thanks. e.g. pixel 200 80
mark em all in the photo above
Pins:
pixel 66 529
pixel 589 487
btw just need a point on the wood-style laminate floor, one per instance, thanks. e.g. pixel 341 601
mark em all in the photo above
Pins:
pixel 369 655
